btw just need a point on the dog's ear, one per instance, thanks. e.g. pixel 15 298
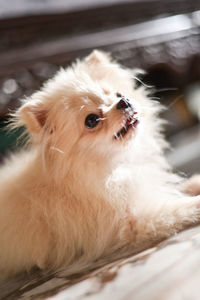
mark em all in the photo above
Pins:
pixel 33 116
pixel 98 57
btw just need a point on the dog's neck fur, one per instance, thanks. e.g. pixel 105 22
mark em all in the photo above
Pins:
pixel 33 179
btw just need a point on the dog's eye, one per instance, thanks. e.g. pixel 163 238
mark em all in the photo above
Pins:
pixel 91 121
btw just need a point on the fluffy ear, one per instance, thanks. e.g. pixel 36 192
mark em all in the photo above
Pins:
pixel 33 116
pixel 98 57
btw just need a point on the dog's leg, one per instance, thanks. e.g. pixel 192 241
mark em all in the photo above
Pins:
pixel 156 223
pixel 192 185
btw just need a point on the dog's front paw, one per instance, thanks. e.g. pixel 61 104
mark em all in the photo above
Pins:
pixel 192 186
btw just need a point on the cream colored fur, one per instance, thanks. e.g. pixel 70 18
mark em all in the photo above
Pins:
pixel 75 195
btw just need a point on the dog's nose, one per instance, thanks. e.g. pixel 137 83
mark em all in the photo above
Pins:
pixel 123 103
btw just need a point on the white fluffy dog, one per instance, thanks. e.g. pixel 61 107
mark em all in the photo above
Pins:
pixel 93 182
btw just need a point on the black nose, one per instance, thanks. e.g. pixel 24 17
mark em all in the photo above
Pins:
pixel 123 103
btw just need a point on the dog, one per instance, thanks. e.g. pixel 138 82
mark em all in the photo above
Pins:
pixel 92 181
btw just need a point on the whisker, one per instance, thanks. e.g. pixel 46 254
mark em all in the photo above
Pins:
pixel 145 85
pixel 155 98
pixel 82 107
pixel 57 149
pixel 154 88
pixel 166 89
pixel 101 119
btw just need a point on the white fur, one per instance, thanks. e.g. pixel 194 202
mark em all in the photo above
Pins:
pixel 75 195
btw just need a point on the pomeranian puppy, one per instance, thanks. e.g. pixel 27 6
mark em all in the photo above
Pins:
pixel 93 182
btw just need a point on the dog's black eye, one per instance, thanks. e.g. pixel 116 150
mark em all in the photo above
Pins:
pixel 91 121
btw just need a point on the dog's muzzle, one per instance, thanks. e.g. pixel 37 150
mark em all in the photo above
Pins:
pixel 130 118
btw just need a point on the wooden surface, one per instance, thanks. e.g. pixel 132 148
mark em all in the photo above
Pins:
pixel 170 271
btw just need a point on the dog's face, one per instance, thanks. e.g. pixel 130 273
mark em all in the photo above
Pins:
pixel 87 113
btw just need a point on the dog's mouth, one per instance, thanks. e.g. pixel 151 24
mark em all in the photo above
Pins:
pixel 131 121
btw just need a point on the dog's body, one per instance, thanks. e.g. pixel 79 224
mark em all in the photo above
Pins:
pixel 93 182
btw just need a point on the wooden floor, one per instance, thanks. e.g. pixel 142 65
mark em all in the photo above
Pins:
pixel 170 271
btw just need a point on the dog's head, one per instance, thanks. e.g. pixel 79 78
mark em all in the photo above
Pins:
pixel 89 112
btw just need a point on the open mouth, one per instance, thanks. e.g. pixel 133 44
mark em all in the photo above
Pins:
pixel 130 123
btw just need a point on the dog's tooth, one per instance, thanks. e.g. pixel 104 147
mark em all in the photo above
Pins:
pixel 115 136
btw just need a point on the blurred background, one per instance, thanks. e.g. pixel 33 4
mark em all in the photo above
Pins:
pixel 161 37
